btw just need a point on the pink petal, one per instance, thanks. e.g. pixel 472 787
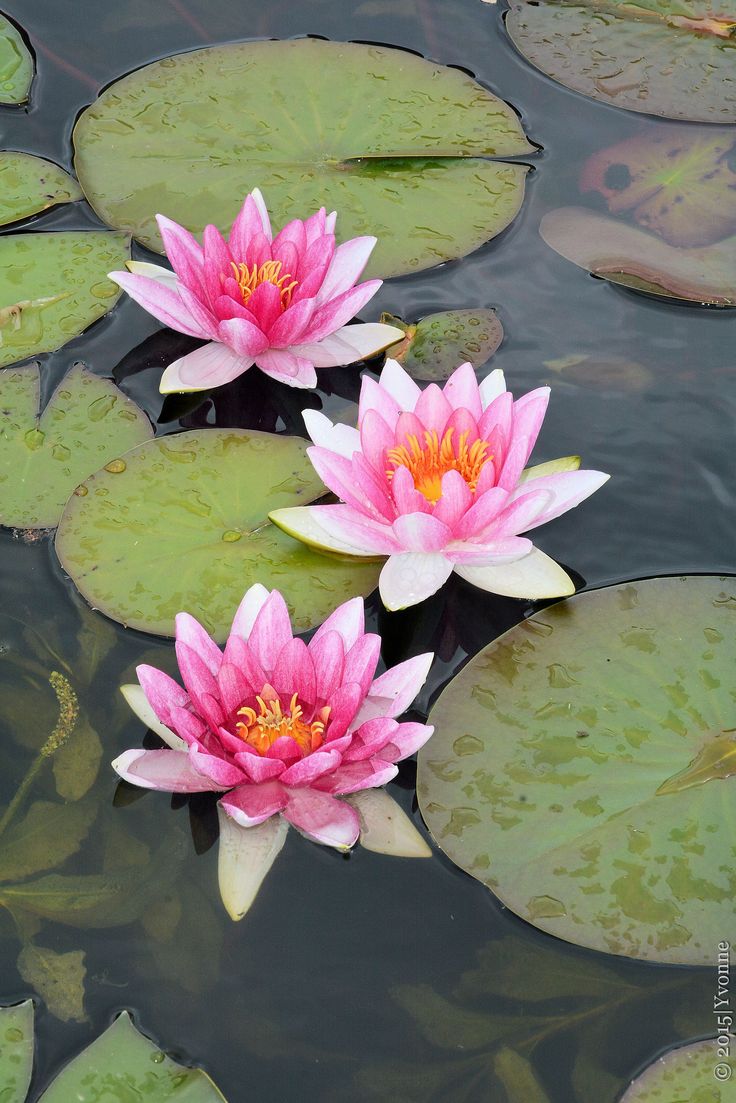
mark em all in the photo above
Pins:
pixel 200 314
pixel 249 222
pixel 293 231
pixel 396 688
pixel 283 365
pixel 399 384
pixel 374 397
pixel 265 305
pixel 529 411
pixel 370 737
pixel 514 463
pixel 433 409
pixel 455 501
pixel 322 818
pixel 462 422
pixel 481 553
pixel 568 489
pixel 313 766
pixel 328 656
pixel 160 301
pixel 183 251
pixel 240 655
pixel 348 620
pixel 355 776
pixel 407 498
pixel 167 770
pixel 409 425
pixel 522 513
pixel 222 774
pixel 233 685
pixel 191 728
pixel 353 533
pixel 162 692
pixel 483 512
pixel 252 804
pixel 244 338
pixel 316 260
pixel 407 739
pixel 253 601
pixel 376 437
pixel 334 314
pixel 421 532
pixel 348 262
pixel 271 631
pixel 344 705
pixel 411 577
pixel 258 768
pixel 498 414
pixel 190 631
pixel 211 365
pixel 290 326
pixel 285 750
pixel 294 673
pixel 201 685
pixel 462 392
pixel 314 226
pixel 361 661
pixel 353 342
pixel 339 475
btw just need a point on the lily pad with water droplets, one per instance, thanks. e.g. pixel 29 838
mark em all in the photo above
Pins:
pixel 182 524
pixel 628 256
pixel 43 457
pixel 679 182
pixel 435 346
pixel 647 57
pixel 16 1051
pixel 29 185
pixel 397 145
pixel 583 767
pixel 16 64
pixel 53 286
pixel 684 1075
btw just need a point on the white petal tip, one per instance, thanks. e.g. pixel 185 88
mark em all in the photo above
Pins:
pixel 385 828
pixel 245 856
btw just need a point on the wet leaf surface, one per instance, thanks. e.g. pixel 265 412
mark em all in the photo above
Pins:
pixel 16 64
pixel 629 256
pixel 54 285
pixel 182 523
pixel 412 170
pixel 58 978
pixel 29 185
pixel 545 776
pixel 438 343
pixel 43 457
pixel 684 1075
pixel 627 55
pixel 16 1051
pixel 677 182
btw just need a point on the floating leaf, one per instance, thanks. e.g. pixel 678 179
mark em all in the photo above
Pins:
pixel 31 184
pixel 124 1064
pixel 633 56
pixel 688 1074
pixel 552 773
pixel 16 64
pixel 436 345
pixel 54 285
pixel 47 835
pixel 58 979
pixel 16 1051
pixel 412 170
pixel 629 256
pixel 44 457
pixel 679 182
pixel 182 523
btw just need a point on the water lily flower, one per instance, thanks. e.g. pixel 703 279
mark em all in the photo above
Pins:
pixel 281 303
pixel 289 732
pixel 435 479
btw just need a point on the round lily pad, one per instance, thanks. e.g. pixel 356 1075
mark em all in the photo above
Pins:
pixel 688 1074
pixel 677 181
pixel 31 184
pixel 395 144
pixel 16 1051
pixel 435 346
pixel 663 59
pixel 43 457
pixel 629 256
pixel 583 767
pixel 16 64
pixel 54 285
pixel 181 523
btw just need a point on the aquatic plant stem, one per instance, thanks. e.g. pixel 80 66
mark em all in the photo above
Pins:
pixel 68 715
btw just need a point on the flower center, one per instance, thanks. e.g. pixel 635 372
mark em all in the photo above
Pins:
pixel 429 461
pixel 248 279
pixel 261 729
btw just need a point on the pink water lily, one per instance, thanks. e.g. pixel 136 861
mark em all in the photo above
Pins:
pixel 281 303
pixel 435 479
pixel 284 729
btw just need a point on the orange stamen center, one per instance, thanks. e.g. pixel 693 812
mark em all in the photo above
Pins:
pixel 248 279
pixel 429 461
pixel 261 729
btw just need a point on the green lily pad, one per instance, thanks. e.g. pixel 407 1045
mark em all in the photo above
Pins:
pixel 16 1051
pixel 31 184
pixel 181 523
pixel 16 64
pixel 684 1075
pixel 679 182
pixel 44 457
pixel 54 285
pixel 583 767
pixel 436 345
pixel 628 256
pixel 410 169
pixel 640 56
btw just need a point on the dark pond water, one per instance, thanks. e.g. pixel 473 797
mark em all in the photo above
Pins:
pixel 367 977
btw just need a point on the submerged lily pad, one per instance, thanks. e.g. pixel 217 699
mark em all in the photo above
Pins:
pixel 663 58
pixel 677 181
pixel 627 255
pixel 44 456
pixel 54 285
pixel 31 184
pixel 436 345
pixel 684 1075
pixel 395 144
pixel 584 764
pixel 16 64
pixel 182 523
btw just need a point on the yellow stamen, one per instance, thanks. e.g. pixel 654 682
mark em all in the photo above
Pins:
pixel 248 279
pixel 261 729
pixel 428 462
